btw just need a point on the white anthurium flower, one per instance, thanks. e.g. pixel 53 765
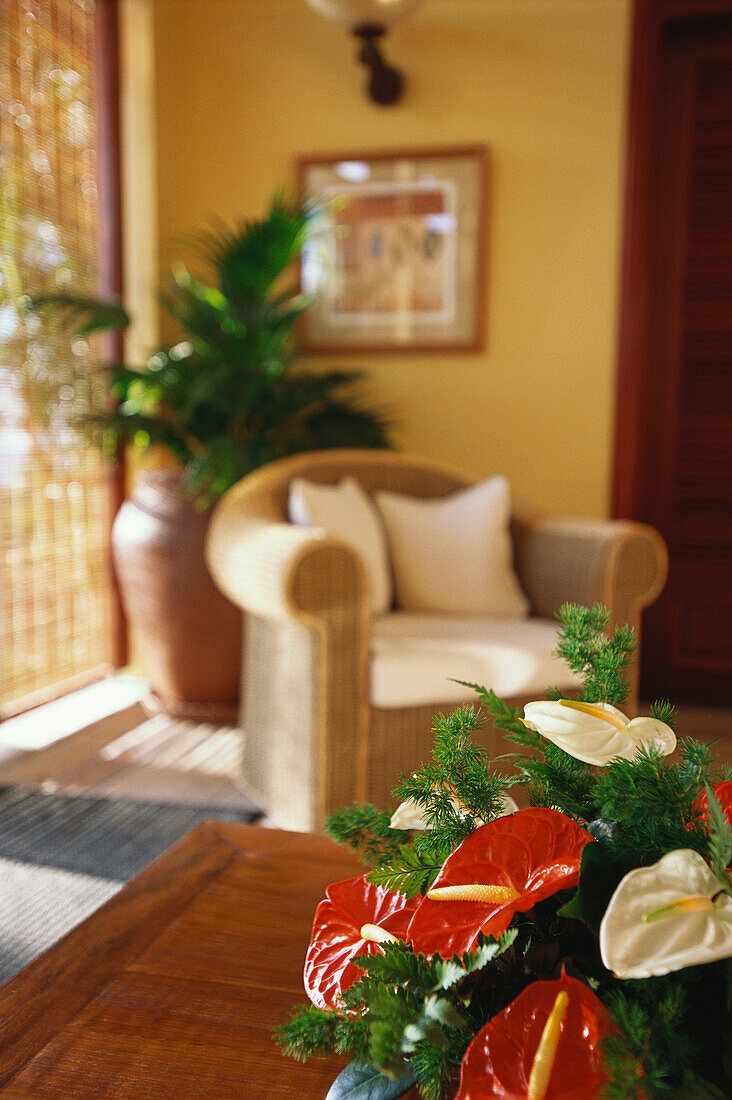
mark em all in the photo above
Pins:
pixel 410 815
pixel 666 917
pixel 596 732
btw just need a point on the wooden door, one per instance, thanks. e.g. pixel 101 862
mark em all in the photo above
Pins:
pixel 674 452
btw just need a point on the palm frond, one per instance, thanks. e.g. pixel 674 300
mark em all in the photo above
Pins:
pixel 89 315
pixel 345 424
pixel 227 395
pixel 306 389
pixel 248 259
pixel 142 431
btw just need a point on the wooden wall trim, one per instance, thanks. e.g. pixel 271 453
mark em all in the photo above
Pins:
pixel 634 285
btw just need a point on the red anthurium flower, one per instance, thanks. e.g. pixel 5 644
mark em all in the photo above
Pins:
pixel 353 920
pixel 502 868
pixel 543 1046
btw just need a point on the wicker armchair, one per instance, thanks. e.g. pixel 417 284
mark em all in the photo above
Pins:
pixel 313 741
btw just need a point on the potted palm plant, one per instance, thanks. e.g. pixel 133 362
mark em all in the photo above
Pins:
pixel 226 397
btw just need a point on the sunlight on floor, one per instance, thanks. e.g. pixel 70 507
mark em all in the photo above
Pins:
pixel 102 742
pixel 182 745
pixel 44 725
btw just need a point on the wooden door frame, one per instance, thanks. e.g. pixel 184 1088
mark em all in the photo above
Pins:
pixel 109 247
pixel 651 20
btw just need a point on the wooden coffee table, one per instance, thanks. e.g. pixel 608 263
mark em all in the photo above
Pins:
pixel 173 988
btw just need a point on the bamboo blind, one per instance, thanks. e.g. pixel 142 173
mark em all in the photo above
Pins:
pixel 55 584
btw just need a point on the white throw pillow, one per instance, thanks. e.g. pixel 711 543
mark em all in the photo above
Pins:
pixel 345 511
pixel 454 553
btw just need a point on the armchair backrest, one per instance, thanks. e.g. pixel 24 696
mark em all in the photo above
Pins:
pixel 374 470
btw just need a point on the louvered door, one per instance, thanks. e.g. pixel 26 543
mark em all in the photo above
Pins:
pixel 684 454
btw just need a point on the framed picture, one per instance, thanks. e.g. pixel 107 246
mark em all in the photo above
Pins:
pixel 397 262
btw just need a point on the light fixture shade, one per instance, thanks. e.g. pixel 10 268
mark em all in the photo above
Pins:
pixel 355 13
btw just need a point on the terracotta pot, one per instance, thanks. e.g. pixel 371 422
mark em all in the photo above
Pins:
pixel 190 634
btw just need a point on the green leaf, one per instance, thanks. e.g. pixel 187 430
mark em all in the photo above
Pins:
pixel 443 1012
pixel 365 830
pixel 504 717
pixel 309 1031
pixel 397 964
pixel 720 843
pixel 409 874
pixel 341 423
pixel 600 659
pixel 572 909
pixel 663 710
pixel 448 973
pixel 250 257
pixel 488 949
pixel 88 314
pixel 223 396
pixel 597 882
pixel 366 1083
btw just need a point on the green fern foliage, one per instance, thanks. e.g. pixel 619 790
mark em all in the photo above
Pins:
pixel 410 873
pixel 601 659
pixel 366 831
pixel 456 789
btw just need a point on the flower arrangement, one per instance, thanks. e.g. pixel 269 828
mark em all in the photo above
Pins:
pixel 576 949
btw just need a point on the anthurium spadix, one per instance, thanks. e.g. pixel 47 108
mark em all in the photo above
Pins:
pixel 502 868
pixel 544 1046
pixel 596 732
pixel 354 919
pixel 410 815
pixel 666 917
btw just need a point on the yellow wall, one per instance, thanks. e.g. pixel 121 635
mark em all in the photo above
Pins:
pixel 243 86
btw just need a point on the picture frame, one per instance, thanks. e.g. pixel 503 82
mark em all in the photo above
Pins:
pixel 397 260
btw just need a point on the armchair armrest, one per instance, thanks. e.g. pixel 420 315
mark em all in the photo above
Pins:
pixel 305 600
pixel 620 564
pixel 615 562
pixel 277 570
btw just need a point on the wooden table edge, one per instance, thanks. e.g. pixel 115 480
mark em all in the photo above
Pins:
pixel 38 1002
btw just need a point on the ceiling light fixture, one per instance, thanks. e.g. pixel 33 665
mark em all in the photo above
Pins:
pixel 369 20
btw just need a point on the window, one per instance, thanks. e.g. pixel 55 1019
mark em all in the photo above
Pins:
pixel 57 606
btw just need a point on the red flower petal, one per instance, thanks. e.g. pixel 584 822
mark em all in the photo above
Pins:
pixel 498 1062
pixel 336 936
pixel 723 792
pixel 536 852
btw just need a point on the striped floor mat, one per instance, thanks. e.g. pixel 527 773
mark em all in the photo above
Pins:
pixel 61 856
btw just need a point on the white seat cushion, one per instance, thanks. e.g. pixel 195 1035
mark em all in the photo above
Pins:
pixel 414 658
pixel 453 554
pixel 344 511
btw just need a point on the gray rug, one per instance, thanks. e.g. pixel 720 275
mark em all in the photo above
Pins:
pixel 62 856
